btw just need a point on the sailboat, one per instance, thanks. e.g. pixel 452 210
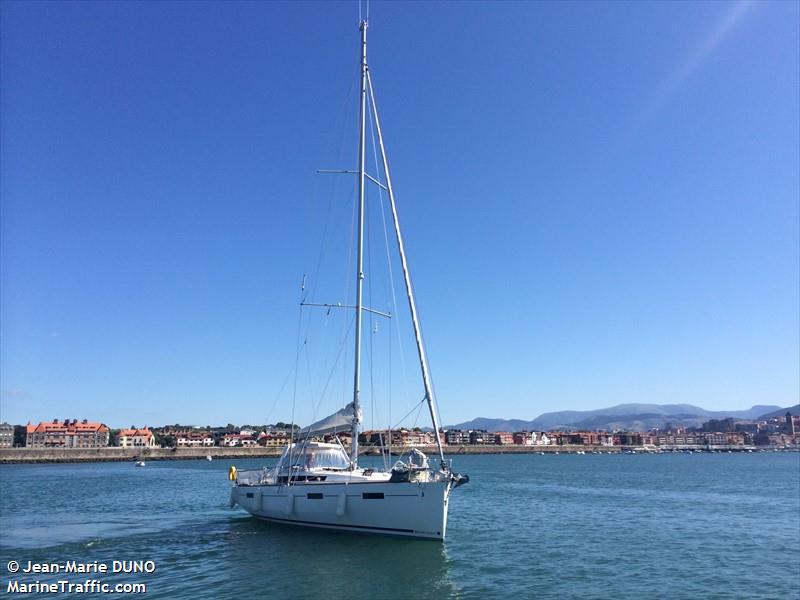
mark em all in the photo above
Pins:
pixel 316 484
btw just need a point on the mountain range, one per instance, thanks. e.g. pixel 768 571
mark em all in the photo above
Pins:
pixel 632 417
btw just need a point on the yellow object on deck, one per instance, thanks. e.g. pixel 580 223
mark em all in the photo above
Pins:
pixel 232 473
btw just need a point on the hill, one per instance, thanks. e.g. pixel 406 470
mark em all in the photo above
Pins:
pixel 795 410
pixel 621 416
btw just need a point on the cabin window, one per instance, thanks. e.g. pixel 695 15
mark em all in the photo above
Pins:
pixel 314 496
pixel 249 494
pixel 372 495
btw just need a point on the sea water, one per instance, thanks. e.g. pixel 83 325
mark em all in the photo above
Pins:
pixel 526 526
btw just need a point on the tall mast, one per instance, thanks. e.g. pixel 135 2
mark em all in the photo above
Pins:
pixel 360 268
pixel 412 305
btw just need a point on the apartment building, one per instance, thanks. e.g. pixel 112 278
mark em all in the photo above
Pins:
pixel 136 438
pixel 6 435
pixel 67 434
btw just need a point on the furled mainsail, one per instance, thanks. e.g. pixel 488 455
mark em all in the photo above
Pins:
pixel 341 420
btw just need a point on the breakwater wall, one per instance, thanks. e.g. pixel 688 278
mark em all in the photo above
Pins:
pixel 113 454
pixel 431 450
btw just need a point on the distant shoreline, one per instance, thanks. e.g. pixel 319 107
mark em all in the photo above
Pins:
pixel 114 454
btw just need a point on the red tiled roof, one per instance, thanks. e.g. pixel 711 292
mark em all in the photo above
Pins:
pixel 134 432
pixel 70 428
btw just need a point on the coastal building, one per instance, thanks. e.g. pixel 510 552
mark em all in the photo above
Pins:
pixel 373 438
pixel 399 437
pixel 635 438
pixel 419 438
pixel 747 427
pixel 136 438
pixel 531 438
pixel 681 439
pixel 232 440
pixel 6 435
pixel 590 438
pixel 775 439
pixel 775 425
pixel 735 439
pixel 404 437
pixel 479 437
pixel 503 438
pixel 274 439
pixel 688 439
pixel 456 437
pixel 194 439
pixel 524 438
pixel 578 438
pixel 606 440
pixel 716 439
pixel 69 434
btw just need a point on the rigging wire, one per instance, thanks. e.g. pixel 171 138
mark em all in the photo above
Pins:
pixel 315 405
pixel 430 393
pixel 393 305
pixel 278 395
pixel 417 407
pixel 330 375
pixel 311 394
pixel 389 453
pixel 394 309
pixel 340 119
pixel 310 207
pixel 320 352
pixel 305 327
pixel 370 298
pixel 296 361
pixel 351 250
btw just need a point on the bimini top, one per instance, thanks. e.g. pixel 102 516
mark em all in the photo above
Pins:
pixel 314 455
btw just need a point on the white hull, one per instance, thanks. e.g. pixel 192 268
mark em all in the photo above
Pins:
pixel 402 509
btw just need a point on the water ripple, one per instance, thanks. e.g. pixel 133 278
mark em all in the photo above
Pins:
pixel 666 526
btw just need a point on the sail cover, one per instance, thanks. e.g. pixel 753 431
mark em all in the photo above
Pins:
pixel 338 421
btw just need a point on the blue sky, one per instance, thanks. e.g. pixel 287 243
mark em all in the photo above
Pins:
pixel 600 203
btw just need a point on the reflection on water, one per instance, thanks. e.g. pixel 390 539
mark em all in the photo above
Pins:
pixel 312 560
